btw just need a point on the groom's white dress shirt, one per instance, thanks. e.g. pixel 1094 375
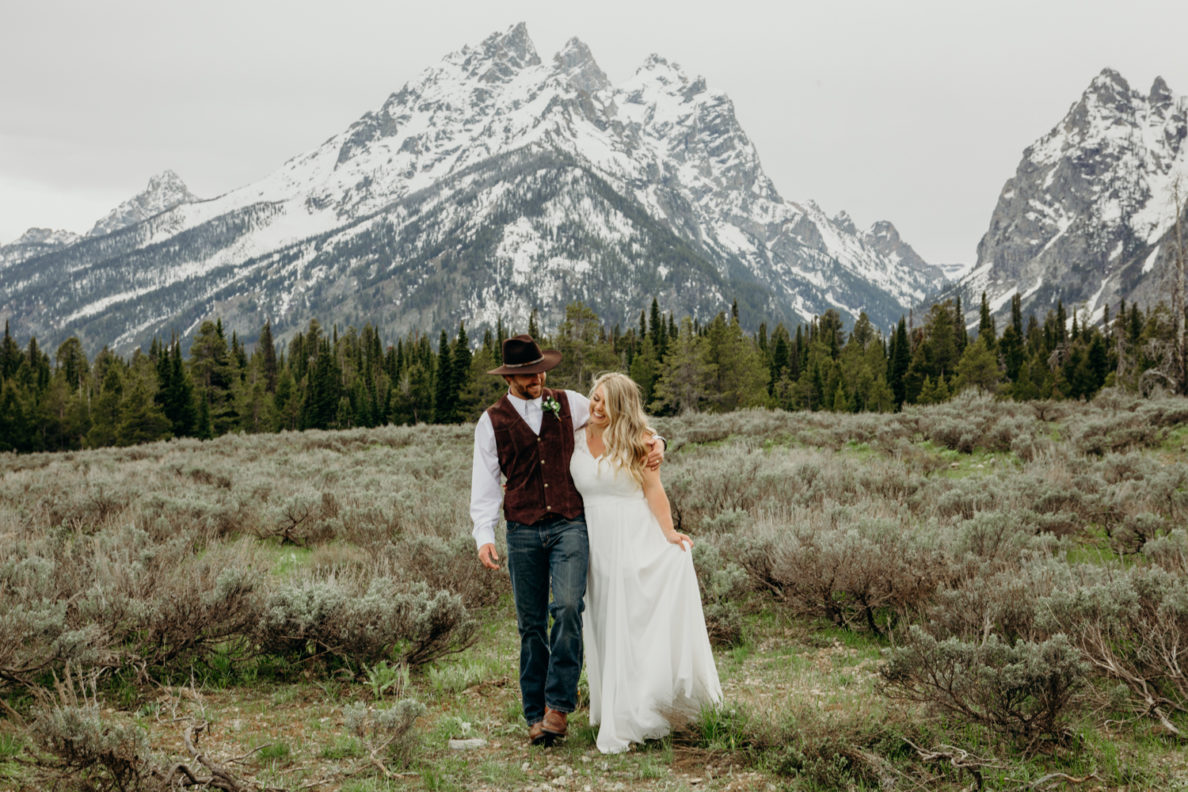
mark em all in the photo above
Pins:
pixel 486 485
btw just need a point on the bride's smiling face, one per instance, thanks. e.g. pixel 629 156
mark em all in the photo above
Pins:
pixel 598 415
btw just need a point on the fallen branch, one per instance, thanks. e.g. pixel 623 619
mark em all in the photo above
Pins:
pixel 1059 777
pixel 221 777
pixel 959 758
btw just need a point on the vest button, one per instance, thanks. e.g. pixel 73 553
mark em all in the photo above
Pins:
pixel 546 486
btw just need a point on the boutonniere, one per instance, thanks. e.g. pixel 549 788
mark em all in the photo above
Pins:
pixel 549 404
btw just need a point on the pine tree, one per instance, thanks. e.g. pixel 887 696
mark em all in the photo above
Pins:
pixel 1011 343
pixel 978 367
pixel 901 357
pixel 738 371
pixel 500 337
pixel 15 429
pixel 960 336
pixel 460 373
pixel 175 392
pixel 140 418
pixel 72 362
pixel 841 402
pixel 444 395
pixel 213 372
pixel 10 356
pixel 781 356
pixel 286 402
pixel 685 374
pixel 584 351
pixel 658 331
pixel 830 332
pixel 266 349
pixel 319 410
pixel 105 406
pixel 645 369
pixel 986 328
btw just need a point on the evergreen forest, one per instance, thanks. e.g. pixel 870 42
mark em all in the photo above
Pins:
pixel 332 379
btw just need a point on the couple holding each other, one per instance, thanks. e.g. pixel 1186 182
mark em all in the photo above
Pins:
pixel 587 517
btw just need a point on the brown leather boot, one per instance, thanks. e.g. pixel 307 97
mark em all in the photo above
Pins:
pixel 537 736
pixel 554 722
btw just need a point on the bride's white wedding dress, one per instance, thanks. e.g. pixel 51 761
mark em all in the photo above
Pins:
pixel 648 657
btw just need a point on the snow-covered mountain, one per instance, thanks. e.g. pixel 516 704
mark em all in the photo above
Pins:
pixel 164 191
pixel 1089 216
pixel 35 242
pixel 493 184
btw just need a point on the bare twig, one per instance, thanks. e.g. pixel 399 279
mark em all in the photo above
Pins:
pixel 959 758
pixel 221 777
pixel 1040 782
pixel 16 716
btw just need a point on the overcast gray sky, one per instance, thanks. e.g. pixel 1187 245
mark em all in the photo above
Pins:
pixel 913 111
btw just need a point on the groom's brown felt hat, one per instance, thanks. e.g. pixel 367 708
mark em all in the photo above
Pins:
pixel 521 355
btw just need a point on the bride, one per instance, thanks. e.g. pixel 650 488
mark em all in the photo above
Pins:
pixel 648 656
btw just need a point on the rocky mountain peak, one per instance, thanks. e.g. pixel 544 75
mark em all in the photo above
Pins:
pixel 501 55
pixel 35 242
pixel 1161 95
pixel 1110 91
pixel 1084 218
pixel 46 236
pixel 577 63
pixel 663 71
pixel 884 230
pixel 843 221
pixel 164 191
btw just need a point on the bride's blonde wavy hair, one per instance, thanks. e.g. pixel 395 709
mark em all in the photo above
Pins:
pixel 626 423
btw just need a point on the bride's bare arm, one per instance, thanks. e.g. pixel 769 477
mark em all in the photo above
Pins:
pixel 658 502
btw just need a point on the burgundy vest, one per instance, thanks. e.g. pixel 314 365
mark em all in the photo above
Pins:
pixel 538 485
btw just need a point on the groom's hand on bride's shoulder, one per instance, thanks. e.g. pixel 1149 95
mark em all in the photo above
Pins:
pixel 489 556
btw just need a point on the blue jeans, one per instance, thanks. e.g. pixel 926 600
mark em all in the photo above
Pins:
pixel 551 554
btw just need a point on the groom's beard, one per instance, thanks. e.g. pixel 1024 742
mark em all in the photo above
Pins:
pixel 530 390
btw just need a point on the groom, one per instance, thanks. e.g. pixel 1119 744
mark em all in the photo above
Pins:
pixel 527 438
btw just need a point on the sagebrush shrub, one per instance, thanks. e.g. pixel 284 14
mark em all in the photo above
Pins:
pixel 1169 551
pixel 90 752
pixel 353 622
pixel 860 573
pixel 724 588
pixel 1022 689
pixel 1132 625
pixel 387 732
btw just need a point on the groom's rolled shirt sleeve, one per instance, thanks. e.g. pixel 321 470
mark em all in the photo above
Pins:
pixel 579 409
pixel 486 493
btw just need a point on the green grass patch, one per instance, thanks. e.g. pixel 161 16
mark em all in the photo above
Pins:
pixel 957 465
pixel 856 450
pixel 780 441
pixel 1094 548
pixel 11 745
pixel 276 752
pixel 287 560
pixel 1175 442
pixel 343 747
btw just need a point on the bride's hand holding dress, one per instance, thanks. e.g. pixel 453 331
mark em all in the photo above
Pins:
pixel 657 500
